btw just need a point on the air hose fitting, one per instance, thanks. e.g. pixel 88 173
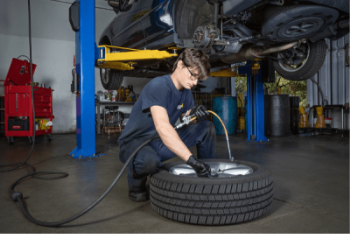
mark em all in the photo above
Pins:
pixel 187 119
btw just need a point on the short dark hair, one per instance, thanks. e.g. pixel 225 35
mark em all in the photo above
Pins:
pixel 195 58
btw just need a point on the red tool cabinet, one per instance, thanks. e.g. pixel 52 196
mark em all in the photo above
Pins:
pixel 18 103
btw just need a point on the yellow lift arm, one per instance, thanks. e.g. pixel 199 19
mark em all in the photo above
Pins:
pixel 233 71
pixel 124 60
pixel 225 73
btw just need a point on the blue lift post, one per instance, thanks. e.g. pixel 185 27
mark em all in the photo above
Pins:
pixel 85 69
pixel 255 104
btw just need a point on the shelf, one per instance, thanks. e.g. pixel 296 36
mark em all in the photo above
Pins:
pixel 115 103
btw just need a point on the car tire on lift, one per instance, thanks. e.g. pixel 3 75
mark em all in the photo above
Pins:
pixel 311 66
pixel 111 79
pixel 212 201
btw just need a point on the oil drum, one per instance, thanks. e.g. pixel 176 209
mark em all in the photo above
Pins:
pixel 226 108
pixel 277 115
pixel 294 114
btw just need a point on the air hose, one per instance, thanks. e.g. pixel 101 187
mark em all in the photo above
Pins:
pixel 227 140
pixel 188 119
pixel 18 196
pixel 20 164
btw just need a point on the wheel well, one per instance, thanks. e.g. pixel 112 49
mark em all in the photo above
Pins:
pixel 105 41
pixel 189 14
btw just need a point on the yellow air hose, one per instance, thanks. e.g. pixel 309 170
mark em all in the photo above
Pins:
pixel 223 125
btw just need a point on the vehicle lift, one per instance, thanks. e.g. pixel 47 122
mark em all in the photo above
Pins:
pixel 255 97
pixel 81 17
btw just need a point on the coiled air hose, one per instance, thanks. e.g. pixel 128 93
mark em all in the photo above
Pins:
pixel 18 196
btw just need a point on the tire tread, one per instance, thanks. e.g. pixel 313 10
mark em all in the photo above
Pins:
pixel 221 203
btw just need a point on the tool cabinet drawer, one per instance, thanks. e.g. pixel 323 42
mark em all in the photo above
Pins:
pixel 42 98
pixel 18 104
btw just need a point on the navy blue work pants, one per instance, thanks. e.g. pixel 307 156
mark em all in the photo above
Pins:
pixel 150 157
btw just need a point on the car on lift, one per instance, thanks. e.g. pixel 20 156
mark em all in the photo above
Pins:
pixel 288 33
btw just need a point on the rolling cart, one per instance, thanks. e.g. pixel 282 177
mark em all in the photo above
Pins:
pixel 18 104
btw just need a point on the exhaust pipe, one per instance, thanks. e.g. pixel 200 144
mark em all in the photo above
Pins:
pixel 250 52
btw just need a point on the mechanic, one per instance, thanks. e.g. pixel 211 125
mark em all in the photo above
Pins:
pixel 162 101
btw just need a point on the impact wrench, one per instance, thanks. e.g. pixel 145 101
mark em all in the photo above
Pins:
pixel 18 196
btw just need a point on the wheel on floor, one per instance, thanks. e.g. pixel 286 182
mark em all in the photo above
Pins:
pixel 238 191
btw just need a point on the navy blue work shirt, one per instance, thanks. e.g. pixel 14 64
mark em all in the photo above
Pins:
pixel 160 91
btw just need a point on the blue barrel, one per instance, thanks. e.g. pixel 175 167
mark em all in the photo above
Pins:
pixel 226 108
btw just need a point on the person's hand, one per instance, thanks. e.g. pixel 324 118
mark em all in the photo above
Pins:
pixel 202 169
pixel 200 112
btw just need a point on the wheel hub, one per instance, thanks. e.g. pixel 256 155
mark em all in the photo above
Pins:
pixel 204 35
pixel 294 59
pixel 104 75
pixel 218 170
pixel 301 27
pixel 291 23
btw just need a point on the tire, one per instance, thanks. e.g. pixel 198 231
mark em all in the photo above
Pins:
pixel 295 22
pixel 111 79
pixel 189 15
pixel 212 201
pixel 311 66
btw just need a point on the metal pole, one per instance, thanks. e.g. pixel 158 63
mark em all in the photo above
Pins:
pixel 85 69
pixel 259 101
pixel 342 118
pixel 255 104
pixel 98 117
pixel 216 13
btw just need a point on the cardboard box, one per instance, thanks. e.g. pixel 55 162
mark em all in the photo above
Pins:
pixel 113 130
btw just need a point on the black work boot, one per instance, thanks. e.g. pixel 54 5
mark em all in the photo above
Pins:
pixel 138 191
pixel 138 195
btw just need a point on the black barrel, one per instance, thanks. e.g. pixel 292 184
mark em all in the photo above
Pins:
pixel 277 115
pixel 294 114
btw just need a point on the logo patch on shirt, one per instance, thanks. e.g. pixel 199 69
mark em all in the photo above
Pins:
pixel 180 106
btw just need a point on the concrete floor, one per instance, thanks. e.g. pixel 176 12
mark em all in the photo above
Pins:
pixel 311 187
